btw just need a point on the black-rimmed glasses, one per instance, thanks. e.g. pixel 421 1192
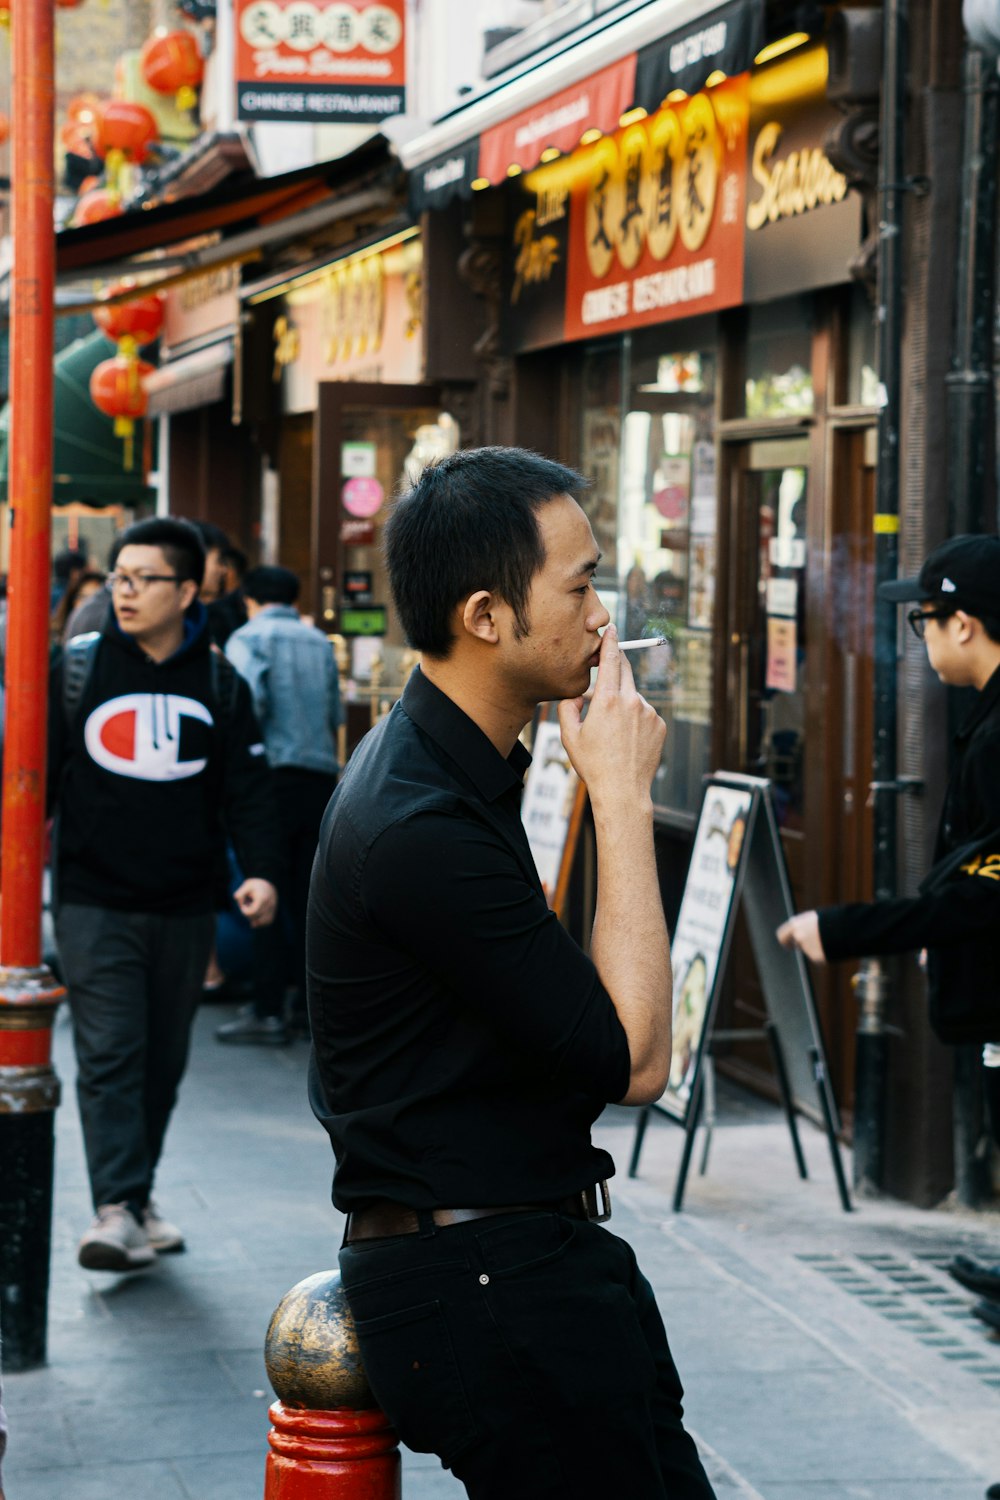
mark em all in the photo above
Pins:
pixel 918 618
pixel 137 583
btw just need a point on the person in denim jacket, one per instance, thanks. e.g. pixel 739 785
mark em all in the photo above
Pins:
pixel 292 675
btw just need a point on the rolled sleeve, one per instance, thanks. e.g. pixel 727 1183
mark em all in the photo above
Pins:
pixel 484 930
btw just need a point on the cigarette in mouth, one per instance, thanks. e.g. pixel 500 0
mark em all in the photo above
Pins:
pixel 653 640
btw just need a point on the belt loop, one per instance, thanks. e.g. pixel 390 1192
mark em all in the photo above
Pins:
pixel 426 1224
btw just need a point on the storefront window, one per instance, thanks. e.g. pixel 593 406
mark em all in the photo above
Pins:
pixel 657 575
pixel 779 347
pixel 862 370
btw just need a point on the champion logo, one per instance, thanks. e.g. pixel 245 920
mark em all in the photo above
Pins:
pixel 947 587
pixel 139 735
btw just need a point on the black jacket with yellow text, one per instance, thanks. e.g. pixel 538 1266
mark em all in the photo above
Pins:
pixel 956 915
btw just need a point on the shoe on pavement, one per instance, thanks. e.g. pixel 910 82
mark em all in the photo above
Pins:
pixel 164 1237
pixel 977 1277
pixel 989 1312
pixel 255 1031
pixel 115 1241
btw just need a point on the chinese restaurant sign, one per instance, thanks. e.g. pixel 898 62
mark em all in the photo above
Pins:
pixel 361 321
pixel 803 225
pixel 645 225
pixel 320 62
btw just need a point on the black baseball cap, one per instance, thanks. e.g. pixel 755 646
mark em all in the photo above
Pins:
pixel 963 573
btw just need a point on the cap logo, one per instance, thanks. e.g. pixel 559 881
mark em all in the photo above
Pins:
pixel 947 587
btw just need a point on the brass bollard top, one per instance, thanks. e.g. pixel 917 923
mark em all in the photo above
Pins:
pixel 311 1348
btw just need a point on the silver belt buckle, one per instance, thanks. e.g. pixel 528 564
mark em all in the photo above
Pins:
pixel 588 1200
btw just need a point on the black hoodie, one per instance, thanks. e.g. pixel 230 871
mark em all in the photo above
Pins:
pixel 149 776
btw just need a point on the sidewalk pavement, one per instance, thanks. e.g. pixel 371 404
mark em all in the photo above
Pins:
pixel 826 1356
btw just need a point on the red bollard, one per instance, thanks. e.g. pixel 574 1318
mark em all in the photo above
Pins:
pixel 328 1439
pixel 331 1455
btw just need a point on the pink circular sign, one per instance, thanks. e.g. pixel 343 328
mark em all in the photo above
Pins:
pixel 362 497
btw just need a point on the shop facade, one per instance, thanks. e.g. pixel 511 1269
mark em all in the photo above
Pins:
pixel 719 372
pixel 677 318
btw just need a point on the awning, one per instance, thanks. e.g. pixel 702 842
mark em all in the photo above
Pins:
pixel 87 458
pixel 586 80
pixel 196 379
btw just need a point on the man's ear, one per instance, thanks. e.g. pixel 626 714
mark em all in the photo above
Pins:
pixel 479 617
pixel 188 591
pixel 966 624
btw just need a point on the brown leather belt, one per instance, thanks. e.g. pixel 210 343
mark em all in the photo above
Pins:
pixel 383 1218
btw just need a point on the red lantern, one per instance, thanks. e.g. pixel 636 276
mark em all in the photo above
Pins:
pixel 124 128
pixel 82 108
pixel 96 205
pixel 116 389
pixel 172 64
pixel 4 127
pixel 139 320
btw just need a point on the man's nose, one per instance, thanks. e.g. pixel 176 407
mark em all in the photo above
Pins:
pixel 599 616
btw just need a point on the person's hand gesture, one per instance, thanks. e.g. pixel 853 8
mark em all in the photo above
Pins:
pixel 802 932
pixel 258 901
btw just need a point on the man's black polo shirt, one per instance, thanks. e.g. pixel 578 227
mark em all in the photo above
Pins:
pixel 463 1043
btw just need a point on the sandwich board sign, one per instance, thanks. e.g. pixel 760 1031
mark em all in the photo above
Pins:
pixel 737 861
pixel 551 811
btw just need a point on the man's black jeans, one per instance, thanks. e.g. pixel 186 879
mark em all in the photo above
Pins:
pixel 528 1352
pixel 279 950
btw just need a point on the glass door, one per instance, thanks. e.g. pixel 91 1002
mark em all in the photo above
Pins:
pixel 767 718
pixel 371 441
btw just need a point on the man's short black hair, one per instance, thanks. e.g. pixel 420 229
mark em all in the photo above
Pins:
pixel 470 523
pixel 233 558
pixel 271 585
pixel 66 562
pixel 213 538
pixel 178 541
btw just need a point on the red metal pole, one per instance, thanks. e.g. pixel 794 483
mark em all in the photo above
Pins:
pixel 29 1089
pixel 30 485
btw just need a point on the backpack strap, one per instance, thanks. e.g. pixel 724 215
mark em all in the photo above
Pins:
pixel 77 664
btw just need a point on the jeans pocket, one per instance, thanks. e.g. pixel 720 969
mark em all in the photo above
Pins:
pixel 412 1368
pixel 524 1242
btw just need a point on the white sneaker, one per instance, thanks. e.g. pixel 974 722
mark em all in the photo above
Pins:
pixel 164 1237
pixel 116 1241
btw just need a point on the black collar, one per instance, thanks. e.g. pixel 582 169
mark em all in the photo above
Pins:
pixel 986 701
pixel 462 740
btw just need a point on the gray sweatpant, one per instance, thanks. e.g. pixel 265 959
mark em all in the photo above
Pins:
pixel 134 981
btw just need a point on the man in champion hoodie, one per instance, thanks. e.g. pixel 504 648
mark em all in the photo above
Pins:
pixel 160 756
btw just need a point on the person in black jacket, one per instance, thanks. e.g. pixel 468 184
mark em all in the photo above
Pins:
pixel 956 913
pixel 158 756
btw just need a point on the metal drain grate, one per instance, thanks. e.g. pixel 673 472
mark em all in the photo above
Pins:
pixel 918 1297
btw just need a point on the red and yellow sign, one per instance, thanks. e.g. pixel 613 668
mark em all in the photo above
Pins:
pixel 558 121
pixel 321 62
pixel 657 215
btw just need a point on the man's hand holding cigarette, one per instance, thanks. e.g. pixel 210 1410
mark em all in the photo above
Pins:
pixel 616 749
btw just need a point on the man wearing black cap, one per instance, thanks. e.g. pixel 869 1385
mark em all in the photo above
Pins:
pixel 956 915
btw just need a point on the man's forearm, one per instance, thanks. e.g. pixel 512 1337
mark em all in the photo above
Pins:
pixel 630 946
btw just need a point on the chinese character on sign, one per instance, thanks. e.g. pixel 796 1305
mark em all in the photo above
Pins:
pixel 302 26
pixel 262 25
pixel 341 27
pixel 380 28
